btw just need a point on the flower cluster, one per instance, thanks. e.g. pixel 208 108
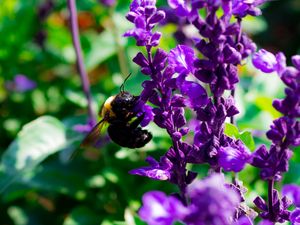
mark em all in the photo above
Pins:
pixel 176 85
pixel 284 132
pixel 211 203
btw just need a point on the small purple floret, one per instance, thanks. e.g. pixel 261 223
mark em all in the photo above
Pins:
pixel 265 61
pixel 159 209
pixel 292 191
pixel 295 217
pixel 156 170
pixel 182 59
pixel 234 158
pixel 244 221
pixel 266 222
pixel 211 202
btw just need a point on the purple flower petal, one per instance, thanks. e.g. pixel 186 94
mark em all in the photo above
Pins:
pixel 156 171
pixel 295 217
pixel 180 7
pixel 233 158
pixel 266 222
pixel 182 59
pixel 265 61
pixel 292 191
pixel 196 93
pixel 244 221
pixel 159 209
pixel 211 202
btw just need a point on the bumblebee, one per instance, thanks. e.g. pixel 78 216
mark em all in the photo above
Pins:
pixel 124 130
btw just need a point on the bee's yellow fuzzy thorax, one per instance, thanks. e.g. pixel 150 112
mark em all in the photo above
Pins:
pixel 106 111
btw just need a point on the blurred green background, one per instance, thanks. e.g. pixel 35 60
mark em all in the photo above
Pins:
pixel 40 182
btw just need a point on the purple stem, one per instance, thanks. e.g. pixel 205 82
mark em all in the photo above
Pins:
pixel 79 61
pixel 270 197
pixel 232 93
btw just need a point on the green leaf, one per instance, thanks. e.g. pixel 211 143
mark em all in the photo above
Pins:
pixel 102 47
pixel 82 216
pixel 35 142
pixel 231 130
pixel 18 215
pixel 248 140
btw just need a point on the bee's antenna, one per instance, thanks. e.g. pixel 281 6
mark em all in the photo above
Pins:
pixel 123 85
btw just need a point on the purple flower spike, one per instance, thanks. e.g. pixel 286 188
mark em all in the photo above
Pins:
pixel 295 217
pixel 292 191
pixel 234 158
pixel 182 59
pixel 265 61
pixel 144 15
pixel 211 202
pixel 159 209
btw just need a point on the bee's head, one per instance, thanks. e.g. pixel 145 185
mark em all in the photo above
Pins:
pixel 124 103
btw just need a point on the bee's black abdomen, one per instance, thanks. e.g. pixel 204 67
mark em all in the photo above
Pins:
pixel 142 138
pixel 123 135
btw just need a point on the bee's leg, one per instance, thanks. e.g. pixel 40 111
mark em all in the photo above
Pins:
pixel 137 121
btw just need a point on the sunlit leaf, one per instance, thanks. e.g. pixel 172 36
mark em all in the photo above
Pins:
pixel 247 139
pixel 36 141
pixel 231 130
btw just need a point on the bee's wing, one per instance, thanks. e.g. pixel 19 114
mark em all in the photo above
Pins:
pixel 93 136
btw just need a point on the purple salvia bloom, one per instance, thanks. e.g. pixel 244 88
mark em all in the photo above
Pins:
pixel 295 217
pixel 292 191
pixel 197 96
pixel 208 134
pixel 233 158
pixel 159 209
pixel 284 129
pixel 156 170
pixel 265 61
pixel 181 59
pixel 284 133
pixel 279 211
pixel 144 110
pixel 272 163
pixel 268 62
pixel 181 7
pixel 21 83
pixel 242 8
pixel 211 202
pixel 144 14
